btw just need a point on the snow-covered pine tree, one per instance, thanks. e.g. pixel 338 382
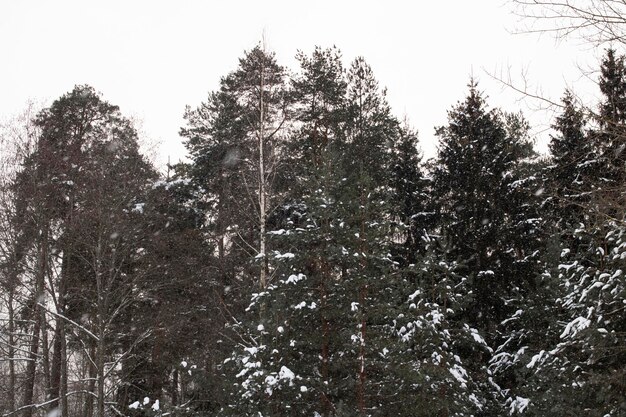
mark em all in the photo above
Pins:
pixel 533 326
pixel 236 141
pixel 329 326
pixel 290 365
pixel 582 371
pixel 435 357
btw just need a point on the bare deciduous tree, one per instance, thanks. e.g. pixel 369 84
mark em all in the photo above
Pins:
pixel 595 21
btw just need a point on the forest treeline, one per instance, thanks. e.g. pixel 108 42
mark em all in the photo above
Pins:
pixel 305 260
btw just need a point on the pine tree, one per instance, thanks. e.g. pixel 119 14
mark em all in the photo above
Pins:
pixel 178 263
pixel 435 357
pixel 235 141
pixel 80 185
pixel 337 268
pixel 319 93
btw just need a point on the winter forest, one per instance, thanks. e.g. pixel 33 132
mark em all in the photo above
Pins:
pixel 306 260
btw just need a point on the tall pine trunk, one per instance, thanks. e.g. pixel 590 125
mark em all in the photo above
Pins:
pixel 11 351
pixel 55 368
pixel 100 373
pixel 58 368
pixel 325 354
pixel 101 320
pixel 37 315
pixel 63 381
pixel 362 299
pixel 45 349
pixel 31 367
pixel 174 388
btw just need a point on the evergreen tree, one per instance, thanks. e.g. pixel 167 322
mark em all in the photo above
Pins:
pixel 579 369
pixel 487 194
pixel 88 175
pixel 319 93
pixel 476 181
pixel 612 83
pixel 337 269
pixel 178 263
pixel 567 177
pixel 235 140
pixel 569 147
pixel 410 197
pixel 436 358
pixel 611 136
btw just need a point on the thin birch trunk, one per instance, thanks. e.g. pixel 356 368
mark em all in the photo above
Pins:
pixel 92 381
pixel 262 185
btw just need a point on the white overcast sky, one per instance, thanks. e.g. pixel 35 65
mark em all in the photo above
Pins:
pixel 154 57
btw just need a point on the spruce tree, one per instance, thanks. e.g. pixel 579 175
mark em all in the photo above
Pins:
pixel 410 197
pixel 475 181
pixel 579 370
pixel 569 146
pixel 487 193
pixel 611 135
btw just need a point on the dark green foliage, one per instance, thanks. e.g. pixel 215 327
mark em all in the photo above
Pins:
pixel 579 367
pixel 177 264
pixel 223 136
pixel 409 196
pixel 610 139
pixel 305 262
pixel 478 186
pixel 612 84
pixel 567 176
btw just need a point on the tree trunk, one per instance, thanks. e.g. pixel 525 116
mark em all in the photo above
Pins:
pixel 31 367
pixel 55 368
pixel 100 372
pixel 45 350
pixel 58 374
pixel 58 371
pixel 37 316
pixel 262 185
pixel 63 382
pixel 362 300
pixel 101 300
pixel 92 381
pixel 326 405
pixel 175 388
pixel 11 352
pixel 362 374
